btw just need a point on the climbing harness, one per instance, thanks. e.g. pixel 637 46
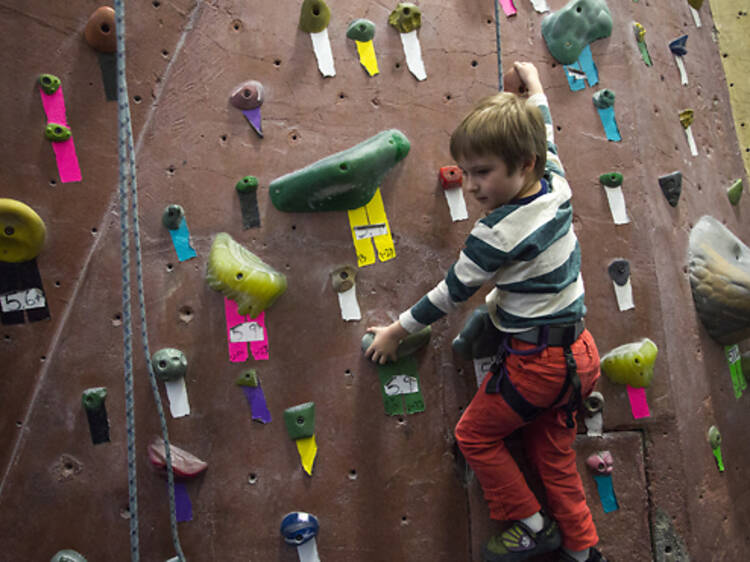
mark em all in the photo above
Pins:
pixel 542 337
pixel 127 175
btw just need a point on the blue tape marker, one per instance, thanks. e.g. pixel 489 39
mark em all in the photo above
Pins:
pixel 607 115
pixel 181 241
pixel 606 492
pixel 586 62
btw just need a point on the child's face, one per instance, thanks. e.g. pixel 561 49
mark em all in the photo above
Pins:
pixel 486 178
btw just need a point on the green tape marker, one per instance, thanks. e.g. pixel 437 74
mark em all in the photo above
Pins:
pixel 735 369
pixel 399 384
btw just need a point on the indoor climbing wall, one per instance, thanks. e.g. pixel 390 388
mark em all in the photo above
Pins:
pixel 386 482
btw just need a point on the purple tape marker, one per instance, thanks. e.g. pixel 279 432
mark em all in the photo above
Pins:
pixel 183 507
pixel 253 117
pixel 257 401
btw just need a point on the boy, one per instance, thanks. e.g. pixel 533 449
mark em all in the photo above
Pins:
pixel 548 360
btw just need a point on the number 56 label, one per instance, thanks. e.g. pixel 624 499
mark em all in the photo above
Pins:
pixel 23 300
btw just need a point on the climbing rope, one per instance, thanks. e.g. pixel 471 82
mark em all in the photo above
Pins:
pixel 127 175
pixel 497 40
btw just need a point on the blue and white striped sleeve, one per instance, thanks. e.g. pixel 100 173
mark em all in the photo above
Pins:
pixel 476 265
pixel 554 165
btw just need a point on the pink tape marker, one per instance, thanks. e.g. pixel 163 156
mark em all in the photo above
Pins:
pixel 638 404
pixel 259 349
pixel 237 350
pixel 235 323
pixel 65 151
pixel 508 7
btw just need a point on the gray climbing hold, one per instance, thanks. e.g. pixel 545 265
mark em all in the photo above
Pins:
pixel 668 545
pixel 719 272
pixel 479 337
pixel 619 271
pixel 172 216
pixel 169 364
pixel 67 555
pixel 671 186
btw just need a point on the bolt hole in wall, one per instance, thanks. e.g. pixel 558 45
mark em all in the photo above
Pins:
pixel 170 267
pixel 186 314
pixel 353 474
pixel 236 25
pixel 474 63
pixel 137 99
pixel 277 63
pixel 117 320
pixel 252 478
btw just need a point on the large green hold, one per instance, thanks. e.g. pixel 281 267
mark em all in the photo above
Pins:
pixel 314 16
pixel 568 30
pixel 343 181
pixel 361 30
pixel 631 364
pixel 406 17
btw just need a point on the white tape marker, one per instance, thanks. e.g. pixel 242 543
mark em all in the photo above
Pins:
pixel 616 201
pixel 691 142
pixel 308 552
pixel 681 68
pixel 456 204
pixel 481 368
pixel 413 53
pixel 349 305
pixel 594 425
pixel 178 397
pixel 322 48
pixel 624 295
pixel 540 6
pixel 696 16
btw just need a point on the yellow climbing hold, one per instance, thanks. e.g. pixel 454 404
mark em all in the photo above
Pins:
pixel 242 276
pixel 22 232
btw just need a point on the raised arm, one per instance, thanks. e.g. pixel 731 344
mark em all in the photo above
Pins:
pixel 529 76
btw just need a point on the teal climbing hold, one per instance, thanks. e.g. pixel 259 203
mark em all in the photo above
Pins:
pixel 568 30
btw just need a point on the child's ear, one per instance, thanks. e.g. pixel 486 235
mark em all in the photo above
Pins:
pixel 529 166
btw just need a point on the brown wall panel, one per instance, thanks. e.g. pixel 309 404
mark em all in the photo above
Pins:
pixel 407 501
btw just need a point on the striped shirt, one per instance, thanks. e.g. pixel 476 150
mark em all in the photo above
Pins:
pixel 529 251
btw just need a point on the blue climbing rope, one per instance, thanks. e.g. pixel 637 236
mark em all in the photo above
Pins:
pixel 127 175
pixel 497 40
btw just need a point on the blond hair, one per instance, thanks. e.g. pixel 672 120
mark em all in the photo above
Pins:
pixel 504 125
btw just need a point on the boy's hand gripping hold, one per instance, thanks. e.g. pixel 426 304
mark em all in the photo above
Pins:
pixel 383 348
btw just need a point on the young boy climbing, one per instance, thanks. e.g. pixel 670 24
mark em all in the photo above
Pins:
pixel 526 247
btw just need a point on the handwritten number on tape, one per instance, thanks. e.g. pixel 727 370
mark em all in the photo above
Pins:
pixel 23 300
pixel 246 332
pixel 401 384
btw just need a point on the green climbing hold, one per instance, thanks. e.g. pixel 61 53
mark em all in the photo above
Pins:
pixel 406 17
pixel 172 216
pixel 314 16
pixel 169 364
pixel 57 132
pixel 93 398
pixel 242 276
pixel 49 83
pixel 408 346
pixel 247 184
pixel 604 99
pixel 300 420
pixel 696 4
pixel 568 30
pixel 248 378
pixel 67 555
pixel 734 192
pixel 631 364
pixel 612 179
pixel 361 30
pixel 343 181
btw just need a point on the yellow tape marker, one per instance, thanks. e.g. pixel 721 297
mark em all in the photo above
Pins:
pixel 366 51
pixel 307 449
pixel 383 242
pixel 363 247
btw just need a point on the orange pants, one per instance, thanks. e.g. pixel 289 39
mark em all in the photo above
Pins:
pixel 547 440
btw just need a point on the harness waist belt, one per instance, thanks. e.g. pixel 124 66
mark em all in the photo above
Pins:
pixel 558 335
